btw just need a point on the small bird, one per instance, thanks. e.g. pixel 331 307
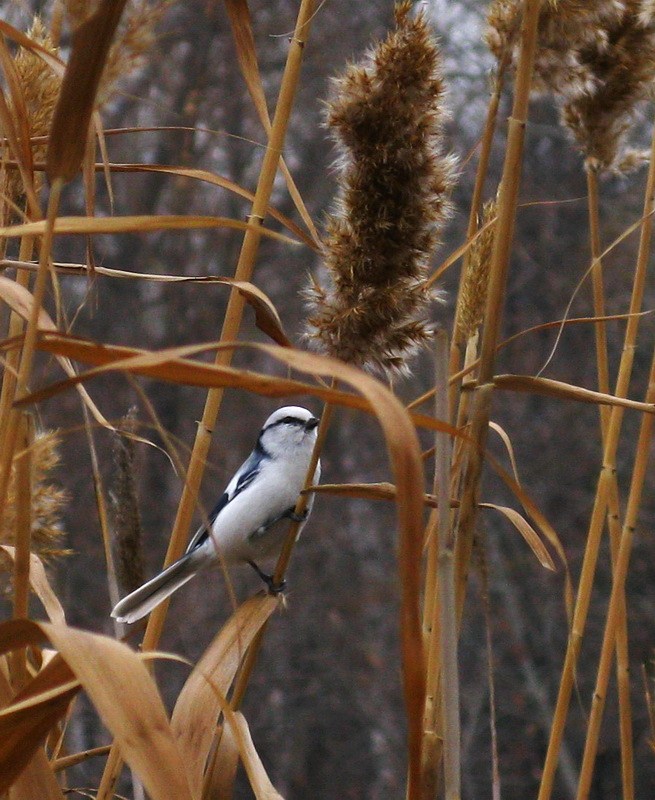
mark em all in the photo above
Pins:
pixel 246 524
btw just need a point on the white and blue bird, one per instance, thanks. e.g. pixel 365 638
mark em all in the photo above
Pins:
pixel 247 524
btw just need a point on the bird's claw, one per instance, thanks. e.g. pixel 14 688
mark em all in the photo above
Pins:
pixel 298 517
pixel 274 588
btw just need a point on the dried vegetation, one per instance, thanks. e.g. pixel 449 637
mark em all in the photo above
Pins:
pixel 371 308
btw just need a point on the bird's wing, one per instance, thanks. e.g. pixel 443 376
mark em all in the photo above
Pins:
pixel 244 477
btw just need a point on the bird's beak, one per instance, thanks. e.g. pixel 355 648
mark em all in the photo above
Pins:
pixel 311 423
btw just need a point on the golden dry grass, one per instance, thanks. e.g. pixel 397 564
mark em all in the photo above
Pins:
pixel 193 752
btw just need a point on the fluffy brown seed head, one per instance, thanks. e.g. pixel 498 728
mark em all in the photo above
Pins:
pixel 386 115
pixel 566 29
pixel 624 74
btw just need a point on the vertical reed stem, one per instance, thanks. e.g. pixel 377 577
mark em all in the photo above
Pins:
pixel 506 213
pixel 613 516
pixel 234 312
pixel 446 591
pixel 616 610
pixel 229 332
pixel 602 492
pixel 22 551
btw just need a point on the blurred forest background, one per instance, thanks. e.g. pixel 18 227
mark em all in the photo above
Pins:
pixel 325 704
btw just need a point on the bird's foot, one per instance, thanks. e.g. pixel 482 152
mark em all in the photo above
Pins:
pixel 274 588
pixel 291 514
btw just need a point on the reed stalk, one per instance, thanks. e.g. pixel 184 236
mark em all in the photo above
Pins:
pixel 448 627
pixel 229 332
pixel 603 491
pixel 592 169
pixel 506 212
pixel 234 312
pixel 29 343
pixel 434 730
pixel 616 610
pixel 486 144
pixel 23 534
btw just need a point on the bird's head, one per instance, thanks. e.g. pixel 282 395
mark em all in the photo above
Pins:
pixel 287 430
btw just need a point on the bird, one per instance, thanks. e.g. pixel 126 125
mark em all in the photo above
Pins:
pixel 247 524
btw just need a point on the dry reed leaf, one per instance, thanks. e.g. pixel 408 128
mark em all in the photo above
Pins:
pixel 9 131
pixel 267 318
pixel 124 694
pixel 239 16
pixel 90 46
pixel 41 586
pixel 365 491
pixel 547 530
pixel 216 180
pixel 37 781
pixel 219 783
pixel 197 708
pixel 137 224
pixel 25 723
pixel 259 780
pixel 173 365
pixel 565 391
pixel 527 532
pixel 21 301
pixel 494 426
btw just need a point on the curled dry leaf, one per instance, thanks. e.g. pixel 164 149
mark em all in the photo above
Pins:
pixel 37 779
pixel 527 532
pixel 547 530
pixel 197 708
pixel 119 686
pixel 259 780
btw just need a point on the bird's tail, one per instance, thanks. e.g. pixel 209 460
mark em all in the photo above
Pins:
pixel 141 601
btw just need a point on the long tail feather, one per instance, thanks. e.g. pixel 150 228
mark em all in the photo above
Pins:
pixel 141 601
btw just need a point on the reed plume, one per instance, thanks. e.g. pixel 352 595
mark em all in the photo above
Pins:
pixel 48 501
pixel 130 564
pixel 623 72
pixel 567 28
pixel 40 89
pixel 475 278
pixel 598 59
pixel 386 115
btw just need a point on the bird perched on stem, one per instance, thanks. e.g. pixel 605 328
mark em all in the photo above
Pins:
pixel 246 526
